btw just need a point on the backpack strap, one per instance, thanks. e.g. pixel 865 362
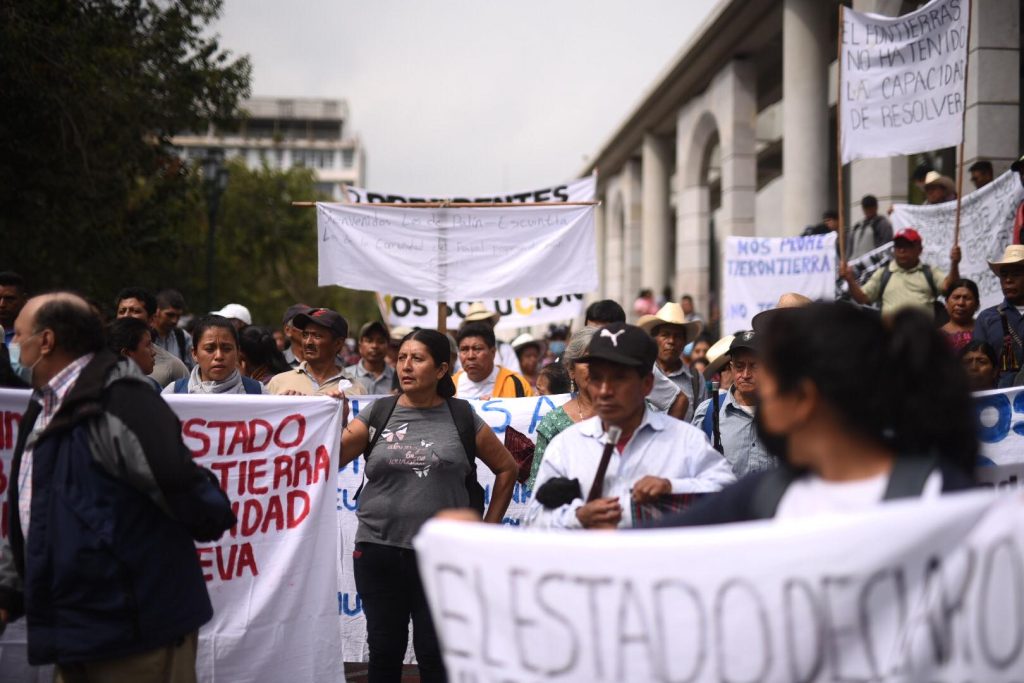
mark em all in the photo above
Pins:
pixel 772 487
pixel 518 384
pixel 181 386
pixel 707 423
pixel 179 335
pixel 886 276
pixel 376 420
pixel 252 386
pixel 927 270
pixel 462 414
pixel 909 475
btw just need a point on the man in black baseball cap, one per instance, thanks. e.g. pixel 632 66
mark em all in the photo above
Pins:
pixel 741 444
pixel 655 455
pixel 321 373
pixel 372 370
pixel 293 354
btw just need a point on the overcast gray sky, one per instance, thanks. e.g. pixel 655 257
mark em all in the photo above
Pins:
pixel 465 96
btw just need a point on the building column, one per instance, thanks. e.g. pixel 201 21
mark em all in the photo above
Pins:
pixel 806 56
pixel 735 105
pixel 695 129
pixel 601 242
pixel 656 220
pixel 632 235
pixel 992 125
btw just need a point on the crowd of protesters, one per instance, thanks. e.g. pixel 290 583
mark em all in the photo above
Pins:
pixel 818 407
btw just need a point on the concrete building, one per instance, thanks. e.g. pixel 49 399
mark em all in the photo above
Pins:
pixel 737 137
pixel 287 132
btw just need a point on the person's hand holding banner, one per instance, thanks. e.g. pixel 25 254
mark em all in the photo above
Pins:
pixel 603 513
pixel 651 488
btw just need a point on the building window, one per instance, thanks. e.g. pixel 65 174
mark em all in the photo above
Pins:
pixel 347 157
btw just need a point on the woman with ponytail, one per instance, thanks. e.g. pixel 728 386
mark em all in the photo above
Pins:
pixel 420 449
pixel 859 410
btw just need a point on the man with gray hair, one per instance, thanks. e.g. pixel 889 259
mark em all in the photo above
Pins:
pixel 106 504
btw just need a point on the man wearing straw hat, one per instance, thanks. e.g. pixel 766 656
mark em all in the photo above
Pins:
pixel 506 357
pixel 938 188
pixel 1002 326
pixel 672 332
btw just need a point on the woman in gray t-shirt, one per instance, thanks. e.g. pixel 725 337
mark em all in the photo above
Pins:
pixel 417 467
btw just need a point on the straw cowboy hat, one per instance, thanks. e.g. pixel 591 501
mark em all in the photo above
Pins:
pixel 934 178
pixel 1013 255
pixel 788 300
pixel 671 314
pixel 717 356
pixel 478 313
pixel 525 339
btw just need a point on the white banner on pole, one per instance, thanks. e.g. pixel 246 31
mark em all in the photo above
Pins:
pixel 515 313
pixel 758 270
pixel 272 578
pixel 458 254
pixel 902 88
pixel 579 190
pixel 909 591
pixel 986 224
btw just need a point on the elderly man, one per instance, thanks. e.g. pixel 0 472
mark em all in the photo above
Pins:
pixel 654 456
pixel 672 332
pixel 1002 326
pixel 106 504
pixel 907 281
pixel 292 334
pixel 135 302
pixel 740 443
pixel 372 370
pixel 481 376
pixel 321 374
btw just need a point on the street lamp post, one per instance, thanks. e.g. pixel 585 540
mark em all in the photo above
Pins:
pixel 215 178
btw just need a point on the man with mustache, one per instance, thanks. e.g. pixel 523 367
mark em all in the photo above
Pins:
pixel 321 373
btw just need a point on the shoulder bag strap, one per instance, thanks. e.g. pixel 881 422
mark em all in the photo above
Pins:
pixel 376 421
pixel 909 475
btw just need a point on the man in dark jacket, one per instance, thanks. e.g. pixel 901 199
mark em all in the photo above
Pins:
pixel 1002 326
pixel 105 504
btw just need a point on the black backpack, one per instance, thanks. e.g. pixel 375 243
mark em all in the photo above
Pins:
pixel 462 415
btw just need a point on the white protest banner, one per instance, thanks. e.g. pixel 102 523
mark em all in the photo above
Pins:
pixel 986 224
pixel 909 591
pixel 579 190
pixel 522 414
pixel 458 254
pixel 272 578
pixel 758 270
pixel 902 85
pixel 515 313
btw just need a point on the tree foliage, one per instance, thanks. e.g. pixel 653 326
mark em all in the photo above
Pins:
pixel 267 249
pixel 92 196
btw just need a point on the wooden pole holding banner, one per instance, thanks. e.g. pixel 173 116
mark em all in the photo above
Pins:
pixel 840 208
pixel 963 130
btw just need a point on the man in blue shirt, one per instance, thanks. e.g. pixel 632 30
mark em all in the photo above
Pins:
pixel 1001 326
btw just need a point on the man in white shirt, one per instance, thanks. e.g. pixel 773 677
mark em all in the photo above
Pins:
pixel 655 455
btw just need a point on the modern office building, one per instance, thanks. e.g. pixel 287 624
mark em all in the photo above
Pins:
pixel 737 137
pixel 287 132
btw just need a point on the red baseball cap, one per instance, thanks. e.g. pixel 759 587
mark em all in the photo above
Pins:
pixel 907 234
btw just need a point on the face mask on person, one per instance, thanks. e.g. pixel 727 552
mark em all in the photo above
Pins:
pixel 25 373
pixel 557 348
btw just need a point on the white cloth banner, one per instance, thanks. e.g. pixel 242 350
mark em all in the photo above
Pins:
pixel 515 313
pixel 579 190
pixel 902 88
pixel 908 591
pixel 272 578
pixel 758 270
pixel 522 414
pixel 458 254
pixel 986 224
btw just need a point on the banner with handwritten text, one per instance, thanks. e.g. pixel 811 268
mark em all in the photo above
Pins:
pixel 902 86
pixel 758 270
pixel 458 254
pixel 986 224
